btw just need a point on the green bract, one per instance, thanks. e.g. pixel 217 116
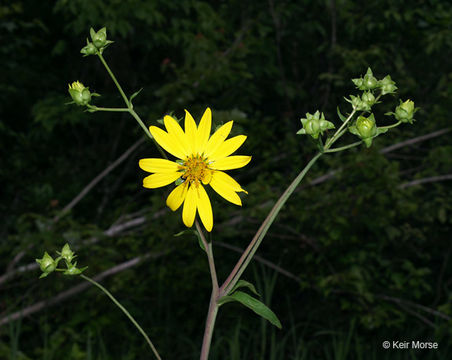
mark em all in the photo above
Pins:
pixel 315 124
pixel 73 270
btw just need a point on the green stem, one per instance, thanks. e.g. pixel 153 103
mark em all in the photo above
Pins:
pixel 129 106
pixel 340 131
pixel 108 109
pixel 213 306
pixel 210 324
pixel 248 254
pixel 146 130
pixel 114 79
pixel 209 251
pixel 124 310
pixel 390 126
pixel 344 147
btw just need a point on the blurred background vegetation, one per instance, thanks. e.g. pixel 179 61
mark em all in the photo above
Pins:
pixel 360 254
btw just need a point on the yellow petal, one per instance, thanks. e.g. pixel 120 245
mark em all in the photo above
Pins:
pixel 158 165
pixel 189 210
pixel 190 131
pixel 228 147
pixel 207 177
pixel 167 142
pixel 230 162
pixel 228 181
pixel 176 132
pixel 225 188
pixel 204 208
pixel 218 138
pixel 177 196
pixel 158 180
pixel 204 131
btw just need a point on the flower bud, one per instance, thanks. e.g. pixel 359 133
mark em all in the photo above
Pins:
pixel 89 49
pixel 99 38
pixel 405 111
pixel 369 82
pixel 315 124
pixel 387 86
pixel 357 103
pixel 368 98
pixel 67 254
pixel 365 128
pixel 79 93
pixel 47 264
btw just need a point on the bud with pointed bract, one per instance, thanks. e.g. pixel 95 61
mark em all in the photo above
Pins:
pixel 365 128
pixel 89 49
pixel 315 124
pixel 99 38
pixel 79 93
pixel 387 86
pixel 405 111
pixel 369 82
pixel 66 253
pixel 47 264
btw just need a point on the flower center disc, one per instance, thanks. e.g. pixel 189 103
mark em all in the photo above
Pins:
pixel 196 170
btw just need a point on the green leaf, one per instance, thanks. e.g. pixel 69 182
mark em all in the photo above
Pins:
pixel 244 283
pixel 192 232
pixel 258 307
pixel 134 95
pixel 342 117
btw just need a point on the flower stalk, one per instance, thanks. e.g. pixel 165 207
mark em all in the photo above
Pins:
pixel 213 305
pixel 124 310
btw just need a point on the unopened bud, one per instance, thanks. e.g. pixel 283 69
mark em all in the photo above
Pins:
pixel 79 93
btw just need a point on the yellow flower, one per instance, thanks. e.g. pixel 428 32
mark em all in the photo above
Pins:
pixel 201 160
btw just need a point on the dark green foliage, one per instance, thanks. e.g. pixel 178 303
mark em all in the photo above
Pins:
pixel 370 250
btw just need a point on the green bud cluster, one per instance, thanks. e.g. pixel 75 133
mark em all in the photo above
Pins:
pixel 98 42
pixel 48 265
pixel 315 124
pixel 363 102
pixel 369 83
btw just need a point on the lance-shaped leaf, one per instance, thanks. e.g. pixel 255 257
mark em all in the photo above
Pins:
pixel 192 232
pixel 342 117
pixel 134 95
pixel 258 307
pixel 244 283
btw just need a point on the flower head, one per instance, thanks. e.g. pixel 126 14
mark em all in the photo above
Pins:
pixel 202 159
